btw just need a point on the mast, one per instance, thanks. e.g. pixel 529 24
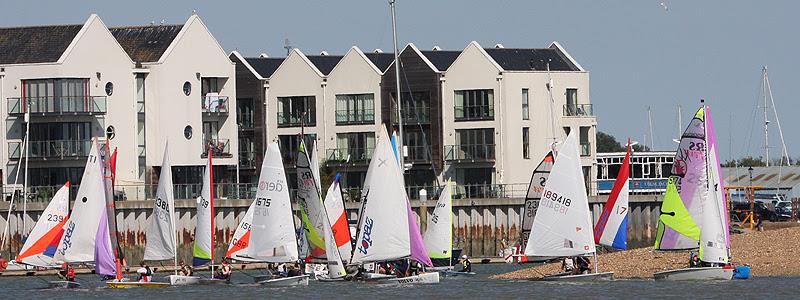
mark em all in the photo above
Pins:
pixel 552 112
pixel 401 156
pixel 766 116
pixel 25 184
pixel 650 126
pixel 6 231
pixel 211 204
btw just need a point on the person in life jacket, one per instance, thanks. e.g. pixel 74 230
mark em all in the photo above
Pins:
pixel 145 274
pixel 225 271
pixel 466 265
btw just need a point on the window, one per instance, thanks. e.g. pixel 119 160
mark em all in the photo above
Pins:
pixel 187 132
pixel 109 88
pixel 357 145
pixel 416 107
pixel 289 145
pixel 110 132
pixel 60 139
pixel 297 110
pixel 187 88
pixel 586 148
pixel 355 109
pixel 418 145
pixel 572 97
pixel 57 95
pixel 473 105
pixel 245 112
pixel 525 105
pixel 472 144
pixel 526 143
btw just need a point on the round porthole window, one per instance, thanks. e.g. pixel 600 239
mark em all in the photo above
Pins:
pixel 110 132
pixel 187 132
pixel 187 88
pixel 109 88
pixel 84 200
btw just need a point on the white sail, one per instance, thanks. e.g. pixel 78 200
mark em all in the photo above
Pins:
pixel 439 235
pixel 161 232
pixel 384 233
pixel 272 237
pixel 713 247
pixel 314 163
pixel 337 217
pixel 562 225
pixel 308 195
pixel 237 249
pixel 334 258
pixel 39 248
pixel 80 232
pixel 203 238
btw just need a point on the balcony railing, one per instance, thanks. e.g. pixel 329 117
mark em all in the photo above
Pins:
pixel 247 160
pixel 586 149
pixel 215 104
pixel 578 110
pixel 475 153
pixel 246 121
pixel 218 147
pixel 356 155
pixel 416 114
pixel 57 105
pixel 474 113
pixel 418 154
pixel 355 117
pixel 59 149
pixel 293 120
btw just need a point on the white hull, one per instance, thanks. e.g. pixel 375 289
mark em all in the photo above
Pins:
pixel 301 280
pixel 425 278
pixel 706 273
pixel 440 269
pixel 183 280
pixel 581 277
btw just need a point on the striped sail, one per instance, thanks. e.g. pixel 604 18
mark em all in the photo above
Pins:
pixel 337 217
pixel 612 226
pixel 673 215
pixel 202 252
pixel 237 249
pixel 312 213
pixel 535 188
pixel 40 246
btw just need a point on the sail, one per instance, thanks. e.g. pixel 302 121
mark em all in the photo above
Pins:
pixel 562 225
pixel 439 234
pixel 105 261
pixel 713 245
pixel 612 226
pixel 202 251
pixel 418 250
pixel 237 249
pixel 40 246
pixel 314 164
pixel 161 232
pixel 334 258
pixel 312 212
pixel 80 232
pixel 337 217
pixel 691 180
pixel 712 140
pixel 534 195
pixel 674 216
pixel 272 236
pixel 384 233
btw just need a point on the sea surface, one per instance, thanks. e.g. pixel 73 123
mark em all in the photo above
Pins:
pixel 477 287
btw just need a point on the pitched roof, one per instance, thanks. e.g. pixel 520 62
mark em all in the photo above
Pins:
pixel 381 60
pixel 265 66
pixel 441 59
pixel 530 59
pixel 37 44
pixel 146 43
pixel 324 63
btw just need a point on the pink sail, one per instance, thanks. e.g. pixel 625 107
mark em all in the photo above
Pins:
pixel 105 263
pixel 418 250
pixel 712 140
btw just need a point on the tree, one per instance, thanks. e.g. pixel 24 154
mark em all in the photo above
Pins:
pixel 607 143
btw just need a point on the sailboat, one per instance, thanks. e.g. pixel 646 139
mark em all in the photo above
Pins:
pixel 694 212
pixel 203 250
pixel 40 247
pixel 439 234
pixel 612 227
pixel 384 233
pixel 532 199
pixel 312 212
pixel 562 226
pixel 272 235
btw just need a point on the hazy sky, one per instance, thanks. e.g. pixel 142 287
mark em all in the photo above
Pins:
pixel 639 54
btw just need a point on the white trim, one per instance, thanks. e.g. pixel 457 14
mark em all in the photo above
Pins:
pixel 192 19
pixel 76 38
pixel 303 57
pixel 419 53
pixel 247 64
pixel 360 54
pixel 482 51
pixel 558 46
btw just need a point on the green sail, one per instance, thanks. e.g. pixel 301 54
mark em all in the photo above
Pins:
pixel 675 216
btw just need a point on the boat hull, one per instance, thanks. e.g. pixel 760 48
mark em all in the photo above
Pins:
pixel 605 276
pixel 135 284
pixel 704 273
pixel 183 280
pixel 62 284
pixel 301 280
pixel 453 273
pixel 425 278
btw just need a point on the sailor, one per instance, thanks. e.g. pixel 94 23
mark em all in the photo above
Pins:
pixel 294 271
pixel 144 273
pixel 568 265
pixel 466 265
pixel 185 270
pixel 70 273
pixel 584 266
pixel 694 261
pixel 225 271
pixel 67 273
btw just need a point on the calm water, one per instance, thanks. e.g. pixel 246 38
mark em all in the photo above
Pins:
pixel 478 287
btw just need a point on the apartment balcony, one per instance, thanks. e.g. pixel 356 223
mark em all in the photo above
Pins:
pixel 295 120
pixel 349 155
pixel 415 115
pixel 418 154
pixel 218 148
pixel 247 161
pixel 215 105
pixel 469 153
pixel 57 105
pixel 586 149
pixel 578 110
pixel 355 117
pixel 51 150
pixel 246 121
pixel 474 113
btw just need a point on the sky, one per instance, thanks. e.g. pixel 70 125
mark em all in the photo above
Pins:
pixel 640 53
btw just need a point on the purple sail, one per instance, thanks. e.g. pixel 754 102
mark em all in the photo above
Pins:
pixel 418 250
pixel 712 140
pixel 103 256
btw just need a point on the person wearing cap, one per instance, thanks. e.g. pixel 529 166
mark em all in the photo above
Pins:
pixel 466 265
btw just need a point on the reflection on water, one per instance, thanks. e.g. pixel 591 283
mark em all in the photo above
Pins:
pixel 478 287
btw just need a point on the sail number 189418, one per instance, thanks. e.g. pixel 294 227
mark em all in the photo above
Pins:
pixel 558 203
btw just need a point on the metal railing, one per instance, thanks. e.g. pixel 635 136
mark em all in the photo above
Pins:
pixel 474 112
pixel 418 153
pixel 246 121
pixel 57 105
pixel 355 117
pixel 218 147
pixel 478 152
pixel 578 110
pixel 290 120
pixel 356 155
pixel 58 149
pixel 415 114
pixel 215 104
pixel 247 160
pixel 586 149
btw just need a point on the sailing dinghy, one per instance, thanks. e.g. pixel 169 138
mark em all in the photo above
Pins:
pixel 272 233
pixel 337 233
pixel 562 226
pixel 203 250
pixel 532 199
pixel 40 247
pixel 439 234
pixel 697 216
